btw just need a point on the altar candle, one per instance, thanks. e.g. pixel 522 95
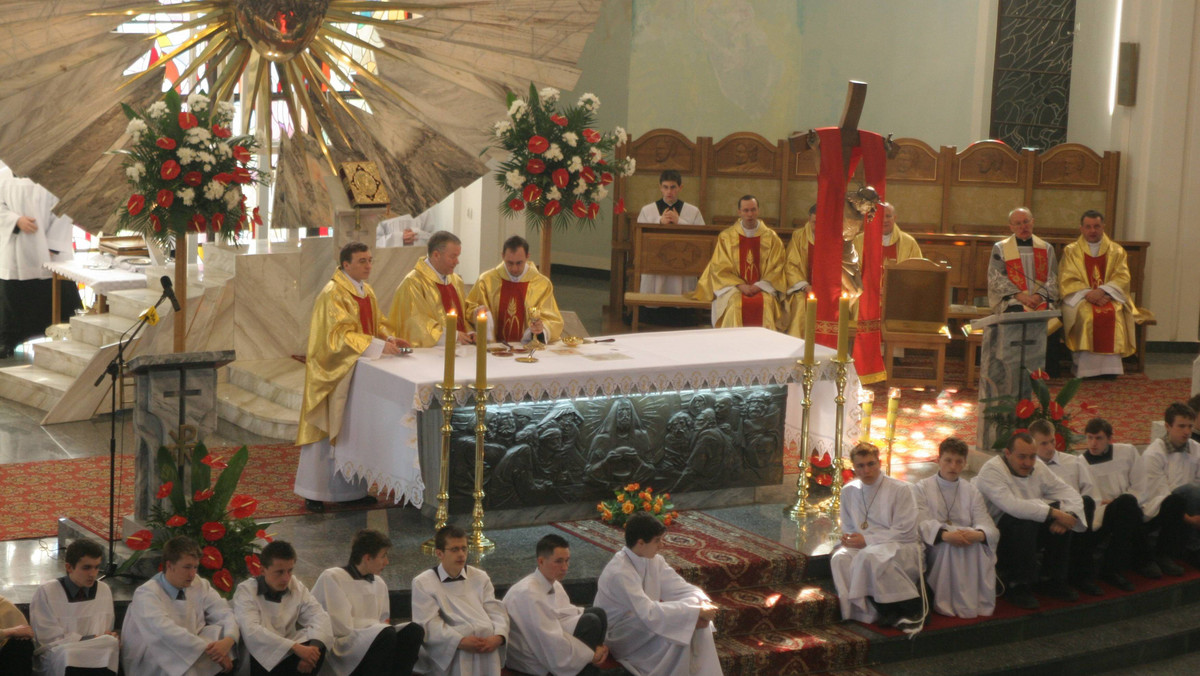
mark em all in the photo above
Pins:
pixel 893 408
pixel 481 350
pixel 451 336
pixel 810 329
pixel 868 403
pixel 843 345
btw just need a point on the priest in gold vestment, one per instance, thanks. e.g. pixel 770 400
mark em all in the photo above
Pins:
pixel 745 273
pixel 431 291
pixel 1097 309
pixel 346 325
pixel 510 291
pixel 800 253
pixel 897 244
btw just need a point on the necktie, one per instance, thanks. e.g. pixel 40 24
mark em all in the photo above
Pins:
pixel 180 596
pixel 454 579
pixel 81 595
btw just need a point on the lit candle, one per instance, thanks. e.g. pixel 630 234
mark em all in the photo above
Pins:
pixel 451 336
pixel 810 329
pixel 481 350
pixel 893 409
pixel 867 400
pixel 843 327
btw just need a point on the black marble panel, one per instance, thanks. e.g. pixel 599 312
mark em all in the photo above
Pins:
pixel 1032 79
pixel 1047 9
pixel 1034 44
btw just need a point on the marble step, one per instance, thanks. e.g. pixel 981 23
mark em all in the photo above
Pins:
pixel 130 303
pixel 256 414
pixel 278 380
pixel 774 608
pixel 69 357
pixel 99 329
pixel 33 385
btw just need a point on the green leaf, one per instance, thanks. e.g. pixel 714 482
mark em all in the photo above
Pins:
pixel 173 100
pixel 124 567
pixel 129 112
pixel 1041 391
pixel 228 481
pixel 201 473
pixel 1067 393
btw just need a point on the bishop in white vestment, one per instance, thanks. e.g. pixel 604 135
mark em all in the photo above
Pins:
pixel 72 617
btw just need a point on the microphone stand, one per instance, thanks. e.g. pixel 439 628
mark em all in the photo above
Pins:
pixel 114 370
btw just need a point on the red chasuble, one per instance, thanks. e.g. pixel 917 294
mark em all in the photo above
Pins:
pixel 510 316
pixel 451 301
pixel 1104 317
pixel 750 269
pixel 364 315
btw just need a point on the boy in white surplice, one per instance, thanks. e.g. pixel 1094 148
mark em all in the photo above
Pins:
pixel 72 617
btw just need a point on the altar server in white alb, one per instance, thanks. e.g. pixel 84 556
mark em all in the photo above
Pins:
pixel 365 643
pixel 670 210
pixel 960 537
pixel 177 624
pixel 658 623
pixel 877 570
pixel 72 618
pixel 466 628
pixel 285 629
pixel 1168 488
pixel 547 633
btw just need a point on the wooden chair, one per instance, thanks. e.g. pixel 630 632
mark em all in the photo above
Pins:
pixel 916 304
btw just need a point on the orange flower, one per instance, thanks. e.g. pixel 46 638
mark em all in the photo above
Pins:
pixel 658 508
pixel 645 495
pixel 621 498
pixel 627 508
pixel 645 506
pixel 632 487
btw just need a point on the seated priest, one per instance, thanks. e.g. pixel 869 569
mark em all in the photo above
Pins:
pixel 897 244
pixel 1023 270
pixel 670 210
pixel 745 273
pixel 519 300
pixel 877 569
pixel 73 618
pixel 346 325
pixel 799 266
pixel 429 292
pixel 1097 310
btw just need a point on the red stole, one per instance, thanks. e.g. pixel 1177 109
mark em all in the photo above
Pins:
pixel 1104 317
pixel 510 316
pixel 365 316
pixel 451 301
pixel 750 270
pixel 1041 269
pixel 889 252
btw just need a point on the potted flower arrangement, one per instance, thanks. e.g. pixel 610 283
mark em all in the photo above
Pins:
pixel 1012 415
pixel 633 498
pixel 210 513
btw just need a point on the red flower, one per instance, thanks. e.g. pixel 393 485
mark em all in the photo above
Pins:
pixel 535 166
pixel 201 496
pixel 165 490
pixel 531 193
pixel 199 222
pixel 1021 430
pixel 516 204
pixel 254 565
pixel 195 178
pixel 591 135
pixel 224 178
pixel 221 132
pixel 619 207
pixel 212 460
pixel 552 207
pixel 579 209
pixel 242 175
pixel 824 479
pixel 165 143
pixel 1087 408
pixel 242 506
pixel 593 210
pixel 1056 411
pixel 847 476
pixel 559 120
pixel 241 154
pixel 170 169
pixel 176 521
pixel 606 178
pixel 165 198
pixel 560 177
pixel 212 531
pixel 257 219
pixel 210 557
pixel 538 144
pixel 154 220
pixel 823 461
pixel 187 121
pixel 1059 442
pixel 136 204
pixel 264 535
pixel 1025 408
pixel 588 174
pixel 218 222
pixel 1040 375
pixel 139 541
pixel 223 580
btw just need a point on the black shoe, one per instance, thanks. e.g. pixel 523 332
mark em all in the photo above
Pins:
pixel 314 505
pixel 365 501
pixel 1168 566
pixel 1060 591
pixel 1149 570
pixel 1021 597
pixel 1090 588
pixel 1119 581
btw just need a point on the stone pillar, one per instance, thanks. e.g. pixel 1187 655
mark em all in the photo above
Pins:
pixel 1014 344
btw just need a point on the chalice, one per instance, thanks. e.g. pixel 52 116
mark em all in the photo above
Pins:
pixel 534 345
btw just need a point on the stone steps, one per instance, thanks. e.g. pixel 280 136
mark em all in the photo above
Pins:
pixel 68 357
pixel 255 413
pixel 99 329
pixel 278 380
pixel 34 385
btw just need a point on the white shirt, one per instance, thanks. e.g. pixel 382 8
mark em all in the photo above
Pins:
pixel 358 610
pixel 270 629
pixel 164 635
pixel 1159 472
pixel 451 611
pixel 60 626
pixel 1029 497
pixel 543 620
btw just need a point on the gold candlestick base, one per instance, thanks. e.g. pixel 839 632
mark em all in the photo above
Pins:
pixel 477 541
pixel 835 500
pixel 800 508
pixel 443 496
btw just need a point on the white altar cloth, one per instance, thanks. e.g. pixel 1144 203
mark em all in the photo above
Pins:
pixel 102 281
pixel 378 440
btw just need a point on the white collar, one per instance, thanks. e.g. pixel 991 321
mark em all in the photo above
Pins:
pixel 443 279
pixel 945 483
pixel 751 233
pixel 359 286
pixel 1095 247
pixel 518 277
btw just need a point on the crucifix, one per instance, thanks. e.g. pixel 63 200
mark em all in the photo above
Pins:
pixel 856 98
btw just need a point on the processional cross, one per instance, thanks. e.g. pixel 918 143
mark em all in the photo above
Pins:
pixel 856 98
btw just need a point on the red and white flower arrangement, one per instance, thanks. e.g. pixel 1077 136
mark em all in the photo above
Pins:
pixel 561 166
pixel 1011 414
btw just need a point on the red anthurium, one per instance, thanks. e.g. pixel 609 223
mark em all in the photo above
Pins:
pixel 221 132
pixel 187 121
pixel 1055 411
pixel 224 178
pixel 165 490
pixel 1025 408
pixel 588 174
pixel 552 207
pixel 823 461
pixel 535 166
pixel 165 143
pixel 1086 407
pixel 538 144
pixel 242 506
pixel 560 177
pixel 212 531
pixel 1040 375
pixel 257 218
pixel 241 154
pixel 140 541
pixel 195 178
pixel 176 521
pixel 1059 442
pixel 264 535
pixel 516 204
pixel 210 558
pixel 242 175
pixel 170 169
pixel 591 135
pixel 619 207
pixel 531 193
pixel 218 222
pixel 156 222
pixel 606 178
pixel 559 120
pixel 136 204
pixel 223 580
pixel 199 222
pixel 201 496
pixel 593 210
pixel 254 565
pixel 165 198
pixel 579 209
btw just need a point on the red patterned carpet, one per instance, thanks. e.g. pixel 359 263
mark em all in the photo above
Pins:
pixel 37 494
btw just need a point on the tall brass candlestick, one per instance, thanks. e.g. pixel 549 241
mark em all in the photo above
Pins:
pixel 801 508
pixel 892 411
pixel 443 495
pixel 835 500
pixel 477 541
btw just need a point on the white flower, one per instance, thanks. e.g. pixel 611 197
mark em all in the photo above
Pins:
pixel 554 152
pixel 581 187
pixel 225 109
pixel 630 167
pixel 514 180
pixel 575 165
pixel 135 171
pixel 223 149
pixel 206 156
pixel 197 102
pixel 589 101
pixel 188 195
pixel 571 138
pixel 232 197
pixel 187 155
pixel 621 135
pixel 501 127
pixel 517 108
pixel 595 154
pixel 135 129
pixel 196 135
pixel 213 190
pixel 157 110
pixel 601 193
pixel 548 94
pixel 553 194
pixel 207 167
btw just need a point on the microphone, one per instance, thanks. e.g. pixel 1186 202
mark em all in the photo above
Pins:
pixel 169 292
